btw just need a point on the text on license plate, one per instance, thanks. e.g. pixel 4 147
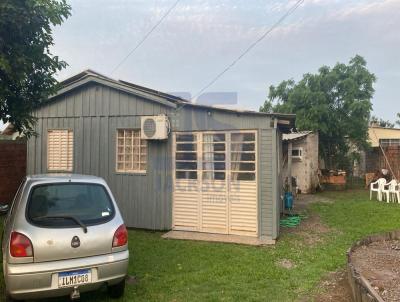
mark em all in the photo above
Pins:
pixel 66 279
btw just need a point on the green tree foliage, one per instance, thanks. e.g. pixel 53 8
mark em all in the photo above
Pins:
pixel 381 122
pixel 27 67
pixel 398 120
pixel 336 102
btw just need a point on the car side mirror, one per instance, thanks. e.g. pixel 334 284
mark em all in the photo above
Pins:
pixel 4 208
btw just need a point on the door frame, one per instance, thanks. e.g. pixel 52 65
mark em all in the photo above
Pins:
pixel 228 180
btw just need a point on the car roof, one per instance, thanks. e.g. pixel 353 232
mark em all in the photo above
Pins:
pixel 63 176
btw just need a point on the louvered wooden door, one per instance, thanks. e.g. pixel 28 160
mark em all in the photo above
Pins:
pixel 215 182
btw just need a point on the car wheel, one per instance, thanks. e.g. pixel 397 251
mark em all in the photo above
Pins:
pixel 117 290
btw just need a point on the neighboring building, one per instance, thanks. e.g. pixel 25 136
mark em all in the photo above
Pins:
pixel 384 136
pixel 384 152
pixel 215 172
pixel 8 132
pixel 304 166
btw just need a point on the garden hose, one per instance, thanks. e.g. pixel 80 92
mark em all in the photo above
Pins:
pixel 292 221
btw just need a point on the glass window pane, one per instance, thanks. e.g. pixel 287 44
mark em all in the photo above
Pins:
pixel 214 175
pixel 243 156
pixel 243 137
pixel 90 203
pixel 186 175
pixel 186 165
pixel 220 137
pixel 185 137
pixel 247 167
pixel 243 176
pixel 209 147
pixel 186 156
pixel 247 146
pixel 219 156
pixel 186 147
pixel 214 166
pixel 132 149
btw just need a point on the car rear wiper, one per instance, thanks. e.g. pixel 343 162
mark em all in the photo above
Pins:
pixel 75 219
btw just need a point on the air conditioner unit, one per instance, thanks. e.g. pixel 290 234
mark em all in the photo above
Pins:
pixel 155 127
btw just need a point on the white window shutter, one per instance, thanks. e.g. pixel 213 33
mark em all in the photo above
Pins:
pixel 60 150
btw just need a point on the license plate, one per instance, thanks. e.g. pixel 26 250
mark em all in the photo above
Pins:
pixel 73 278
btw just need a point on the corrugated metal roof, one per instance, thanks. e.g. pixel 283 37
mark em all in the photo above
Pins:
pixel 295 135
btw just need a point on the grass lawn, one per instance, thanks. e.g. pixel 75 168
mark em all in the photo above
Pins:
pixel 171 270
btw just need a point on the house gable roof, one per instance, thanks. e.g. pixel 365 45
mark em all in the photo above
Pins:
pixel 89 76
pixel 169 100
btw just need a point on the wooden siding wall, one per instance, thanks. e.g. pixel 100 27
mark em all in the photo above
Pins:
pixel 266 175
pixel 95 112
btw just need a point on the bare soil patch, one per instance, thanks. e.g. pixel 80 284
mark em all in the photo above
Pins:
pixel 311 230
pixel 334 288
pixel 379 263
pixel 286 263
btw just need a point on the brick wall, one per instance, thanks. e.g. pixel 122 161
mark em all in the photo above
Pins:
pixel 375 160
pixel 12 167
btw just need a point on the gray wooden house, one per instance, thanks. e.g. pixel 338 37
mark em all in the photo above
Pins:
pixel 171 164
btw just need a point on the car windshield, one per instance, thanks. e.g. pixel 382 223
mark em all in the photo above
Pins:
pixel 66 204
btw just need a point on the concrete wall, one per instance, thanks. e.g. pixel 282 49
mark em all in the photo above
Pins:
pixel 12 167
pixel 377 133
pixel 306 170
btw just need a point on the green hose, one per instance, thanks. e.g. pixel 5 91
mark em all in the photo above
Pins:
pixel 292 221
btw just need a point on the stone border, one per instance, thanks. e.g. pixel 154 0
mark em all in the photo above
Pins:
pixel 362 290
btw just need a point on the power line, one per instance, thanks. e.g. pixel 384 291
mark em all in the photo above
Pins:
pixel 271 29
pixel 145 36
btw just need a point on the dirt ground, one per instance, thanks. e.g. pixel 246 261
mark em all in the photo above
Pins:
pixel 334 287
pixel 311 229
pixel 379 262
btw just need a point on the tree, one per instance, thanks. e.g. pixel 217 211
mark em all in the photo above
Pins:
pixel 398 121
pixel 381 122
pixel 336 102
pixel 27 67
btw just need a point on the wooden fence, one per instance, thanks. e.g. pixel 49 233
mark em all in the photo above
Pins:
pixel 12 167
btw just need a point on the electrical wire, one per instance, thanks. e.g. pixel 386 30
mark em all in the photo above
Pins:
pixel 145 36
pixel 271 29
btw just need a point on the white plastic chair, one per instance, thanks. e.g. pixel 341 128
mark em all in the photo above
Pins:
pixel 394 191
pixel 377 187
pixel 388 188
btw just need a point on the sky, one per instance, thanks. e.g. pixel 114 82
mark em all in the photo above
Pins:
pixel 199 38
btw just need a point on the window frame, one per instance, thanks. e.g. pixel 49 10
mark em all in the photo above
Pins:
pixel 132 172
pixel 48 153
pixel 195 151
pixel 227 152
pixel 389 142
pixel 300 150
